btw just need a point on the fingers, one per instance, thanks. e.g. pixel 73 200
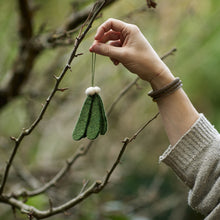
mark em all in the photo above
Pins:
pixel 111 31
pixel 110 35
pixel 115 44
pixel 106 50
pixel 114 24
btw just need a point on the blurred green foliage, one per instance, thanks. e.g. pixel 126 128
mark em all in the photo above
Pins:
pixel 134 192
pixel 39 201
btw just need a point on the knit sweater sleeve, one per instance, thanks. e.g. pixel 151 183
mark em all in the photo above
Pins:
pixel 195 158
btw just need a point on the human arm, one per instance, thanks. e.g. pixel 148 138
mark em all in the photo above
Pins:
pixel 128 46
pixel 195 158
pixel 194 153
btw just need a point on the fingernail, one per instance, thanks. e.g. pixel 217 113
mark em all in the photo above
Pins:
pixel 92 47
pixel 95 47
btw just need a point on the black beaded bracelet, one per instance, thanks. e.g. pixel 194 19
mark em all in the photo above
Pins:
pixel 166 90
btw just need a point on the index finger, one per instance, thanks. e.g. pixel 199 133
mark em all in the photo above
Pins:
pixel 114 24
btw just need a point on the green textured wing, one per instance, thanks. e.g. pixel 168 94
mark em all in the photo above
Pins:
pixel 93 128
pixel 82 123
pixel 104 123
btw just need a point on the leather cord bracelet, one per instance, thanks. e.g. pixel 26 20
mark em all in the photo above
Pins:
pixel 166 90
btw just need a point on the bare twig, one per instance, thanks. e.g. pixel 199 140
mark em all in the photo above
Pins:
pixel 26 56
pixel 83 150
pixel 68 33
pixel 32 46
pixel 171 52
pixel 134 12
pixel 96 187
pixel 81 16
pixel 125 142
pixel 26 132
pixel 122 93
pixel 25 193
pixel 25 29
pixel 84 193
pixel 143 127
pixel 62 89
pixel 85 183
pixel 25 175
pixel 62 35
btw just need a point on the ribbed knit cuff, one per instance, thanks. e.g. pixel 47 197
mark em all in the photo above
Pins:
pixel 182 155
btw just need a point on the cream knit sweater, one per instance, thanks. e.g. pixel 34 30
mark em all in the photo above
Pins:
pixel 196 160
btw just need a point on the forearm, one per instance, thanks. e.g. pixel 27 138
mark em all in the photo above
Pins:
pixel 176 110
pixel 195 160
pixel 193 139
pixel 129 47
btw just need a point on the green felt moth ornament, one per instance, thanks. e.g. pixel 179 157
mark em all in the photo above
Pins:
pixel 92 119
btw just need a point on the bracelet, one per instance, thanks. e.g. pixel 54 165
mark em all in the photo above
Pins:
pixel 166 90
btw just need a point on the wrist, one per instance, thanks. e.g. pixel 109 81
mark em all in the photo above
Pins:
pixel 162 79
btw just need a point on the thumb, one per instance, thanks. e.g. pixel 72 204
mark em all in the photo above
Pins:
pixel 106 50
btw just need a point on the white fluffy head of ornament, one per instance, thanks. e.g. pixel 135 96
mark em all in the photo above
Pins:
pixel 92 90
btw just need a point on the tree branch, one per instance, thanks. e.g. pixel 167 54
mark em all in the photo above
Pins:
pixel 171 52
pixel 96 187
pixel 32 46
pixel 77 18
pixel 25 175
pixel 25 193
pixel 28 51
pixel 25 24
pixel 121 94
pixel 97 8
pixel 83 150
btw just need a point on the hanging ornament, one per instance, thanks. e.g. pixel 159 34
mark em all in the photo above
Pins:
pixel 92 120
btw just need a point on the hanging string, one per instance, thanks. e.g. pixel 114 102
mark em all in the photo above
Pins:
pixel 93 67
pixel 92 119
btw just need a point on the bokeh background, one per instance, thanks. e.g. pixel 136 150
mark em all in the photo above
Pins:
pixel 141 188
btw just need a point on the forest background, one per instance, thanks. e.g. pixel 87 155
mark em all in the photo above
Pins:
pixel 140 188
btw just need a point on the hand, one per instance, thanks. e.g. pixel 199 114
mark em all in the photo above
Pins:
pixel 124 43
pixel 128 46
